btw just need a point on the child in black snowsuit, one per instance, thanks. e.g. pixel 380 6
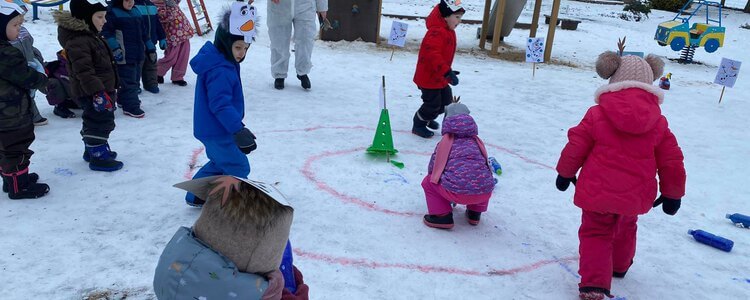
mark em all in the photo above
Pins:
pixel 93 78
pixel 17 79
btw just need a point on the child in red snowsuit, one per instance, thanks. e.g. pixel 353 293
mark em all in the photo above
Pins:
pixel 620 146
pixel 434 71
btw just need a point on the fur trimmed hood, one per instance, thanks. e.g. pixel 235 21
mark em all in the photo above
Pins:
pixel 619 86
pixel 631 106
pixel 65 20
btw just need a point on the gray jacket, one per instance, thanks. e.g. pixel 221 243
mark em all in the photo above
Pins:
pixel 189 269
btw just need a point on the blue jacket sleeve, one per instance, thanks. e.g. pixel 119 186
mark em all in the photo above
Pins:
pixel 220 92
pixel 108 31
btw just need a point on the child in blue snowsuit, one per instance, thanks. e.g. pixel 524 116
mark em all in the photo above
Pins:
pixel 129 40
pixel 220 107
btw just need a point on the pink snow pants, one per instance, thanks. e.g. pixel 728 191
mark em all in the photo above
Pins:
pixel 439 199
pixel 175 57
pixel 607 244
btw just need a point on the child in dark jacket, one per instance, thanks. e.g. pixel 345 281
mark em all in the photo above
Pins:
pixel 25 43
pixel 434 72
pixel 17 79
pixel 156 35
pixel 179 32
pixel 220 106
pixel 129 40
pixel 93 77
pixel 620 146
pixel 458 171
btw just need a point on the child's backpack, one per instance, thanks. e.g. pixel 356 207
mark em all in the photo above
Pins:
pixel 58 86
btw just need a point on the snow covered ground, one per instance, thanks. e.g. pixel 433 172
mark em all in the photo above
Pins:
pixel 357 231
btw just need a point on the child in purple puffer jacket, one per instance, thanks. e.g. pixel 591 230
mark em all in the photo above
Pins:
pixel 458 171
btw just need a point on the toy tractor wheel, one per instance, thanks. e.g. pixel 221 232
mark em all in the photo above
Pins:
pixel 677 44
pixel 661 43
pixel 711 45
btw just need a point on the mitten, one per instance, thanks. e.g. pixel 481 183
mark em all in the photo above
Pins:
pixel 563 183
pixel 163 44
pixel 245 140
pixel 102 102
pixel 452 77
pixel 151 57
pixel 275 286
pixel 119 56
pixel 669 206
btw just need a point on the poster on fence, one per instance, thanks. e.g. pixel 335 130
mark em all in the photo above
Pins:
pixel 535 50
pixel 728 71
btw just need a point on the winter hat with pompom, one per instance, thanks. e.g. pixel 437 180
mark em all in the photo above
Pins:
pixel 616 68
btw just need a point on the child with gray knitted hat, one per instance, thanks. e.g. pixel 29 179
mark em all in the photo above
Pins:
pixel 620 146
pixel 458 171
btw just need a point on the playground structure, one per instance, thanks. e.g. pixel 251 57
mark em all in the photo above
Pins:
pixel 681 36
pixel 502 20
pixel 199 13
pixel 35 4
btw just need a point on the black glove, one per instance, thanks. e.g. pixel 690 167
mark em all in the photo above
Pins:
pixel 563 183
pixel 670 207
pixel 151 57
pixel 245 140
pixel 452 77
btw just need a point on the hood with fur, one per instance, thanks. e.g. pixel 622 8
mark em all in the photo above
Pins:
pixel 631 106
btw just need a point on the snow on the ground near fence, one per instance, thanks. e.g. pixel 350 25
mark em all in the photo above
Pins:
pixel 357 231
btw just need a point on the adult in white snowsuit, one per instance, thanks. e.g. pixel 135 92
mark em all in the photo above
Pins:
pixel 283 15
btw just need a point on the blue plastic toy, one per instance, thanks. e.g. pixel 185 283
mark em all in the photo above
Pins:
pixel 715 241
pixel 742 221
pixel 495 166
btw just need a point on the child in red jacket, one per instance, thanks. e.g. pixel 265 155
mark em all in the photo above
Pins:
pixel 621 144
pixel 434 71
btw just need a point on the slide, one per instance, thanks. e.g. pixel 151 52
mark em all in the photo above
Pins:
pixel 513 10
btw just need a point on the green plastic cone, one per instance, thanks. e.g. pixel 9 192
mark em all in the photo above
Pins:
pixel 383 141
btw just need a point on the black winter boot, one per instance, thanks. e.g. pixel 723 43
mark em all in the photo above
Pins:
pixel 33 178
pixel 439 221
pixel 473 216
pixel 278 83
pixel 21 187
pixel 434 125
pixel 305 81
pixel 63 112
pixel 420 127
pixel 101 159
